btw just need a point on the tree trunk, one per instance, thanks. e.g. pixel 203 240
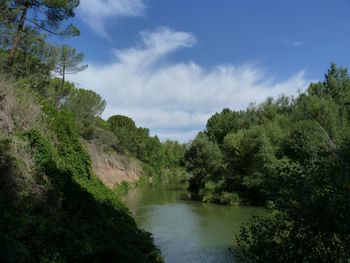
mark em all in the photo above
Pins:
pixel 60 92
pixel 63 77
pixel 18 36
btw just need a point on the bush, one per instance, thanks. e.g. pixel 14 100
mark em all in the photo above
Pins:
pixel 230 198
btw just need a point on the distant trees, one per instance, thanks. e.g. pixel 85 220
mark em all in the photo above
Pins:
pixel 174 153
pixel 153 154
pixel 137 141
pixel 129 136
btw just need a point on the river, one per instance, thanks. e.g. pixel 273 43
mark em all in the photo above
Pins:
pixel 186 230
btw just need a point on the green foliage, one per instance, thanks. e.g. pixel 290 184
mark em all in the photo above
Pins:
pixel 174 153
pixel 85 103
pixel 55 93
pixel 292 154
pixel 136 141
pixel 122 188
pixel 34 57
pixel 252 141
pixel 130 138
pixel 310 216
pixel 250 156
pixel 52 206
pixel 101 134
pixel 28 16
pixel 119 121
pixel 204 160
pixel 153 153
pixel 67 61
pixel 306 141
pixel 220 124
pixel 230 199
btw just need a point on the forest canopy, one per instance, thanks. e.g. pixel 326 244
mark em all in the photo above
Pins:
pixel 291 155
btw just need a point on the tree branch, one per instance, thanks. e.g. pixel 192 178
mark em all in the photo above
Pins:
pixel 333 146
pixel 46 29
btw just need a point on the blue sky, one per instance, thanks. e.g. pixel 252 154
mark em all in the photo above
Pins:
pixel 171 64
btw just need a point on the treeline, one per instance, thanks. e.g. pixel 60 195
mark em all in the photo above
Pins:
pixel 291 154
pixel 156 156
pixel 53 208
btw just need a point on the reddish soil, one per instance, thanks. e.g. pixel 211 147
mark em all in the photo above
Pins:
pixel 113 168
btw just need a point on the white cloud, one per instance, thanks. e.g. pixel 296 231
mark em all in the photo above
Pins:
pixel 178 135
pixel 97 12
pixel 161 118
pixel 175 99
pixel 154 46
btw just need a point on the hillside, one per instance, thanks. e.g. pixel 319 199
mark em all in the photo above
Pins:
pixel 53 206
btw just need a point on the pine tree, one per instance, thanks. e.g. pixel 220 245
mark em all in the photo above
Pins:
pixel 43 15
pixel 68 62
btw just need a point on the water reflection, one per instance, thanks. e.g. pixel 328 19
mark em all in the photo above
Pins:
pixel 185 230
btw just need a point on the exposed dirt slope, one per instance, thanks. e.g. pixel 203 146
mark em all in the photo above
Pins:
pixel 113 168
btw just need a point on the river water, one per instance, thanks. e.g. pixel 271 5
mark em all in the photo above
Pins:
pixel 186 230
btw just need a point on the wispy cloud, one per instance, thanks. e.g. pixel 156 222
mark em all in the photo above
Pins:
pixel 96 13
pixel 288 43
pixel 175 99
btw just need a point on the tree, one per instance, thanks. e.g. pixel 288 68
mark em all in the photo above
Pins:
pixel 34 56
pixel 68 62
pixel 174 153
pixel 309 217
pixel 7 16
pixel 249 155
pixel 120 121
pixel 154 154
pixel 131 139
pixel 204 160
pixel 56 93
pixel 220 124
pixel 336 85
pixel 292 154
pixel 44 15
pixel 85 103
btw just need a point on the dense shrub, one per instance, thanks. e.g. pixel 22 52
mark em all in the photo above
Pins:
pixel 53 208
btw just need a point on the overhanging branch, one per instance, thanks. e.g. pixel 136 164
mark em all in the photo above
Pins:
pixel 46 29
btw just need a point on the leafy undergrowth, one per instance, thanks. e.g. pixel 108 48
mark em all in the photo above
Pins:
pixel 52 207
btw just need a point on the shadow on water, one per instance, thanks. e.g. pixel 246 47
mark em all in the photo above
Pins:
pixel 187 230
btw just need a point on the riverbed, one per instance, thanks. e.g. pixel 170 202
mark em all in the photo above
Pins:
pixel 187 230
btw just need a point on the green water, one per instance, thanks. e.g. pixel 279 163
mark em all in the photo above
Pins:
pixel 185 230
